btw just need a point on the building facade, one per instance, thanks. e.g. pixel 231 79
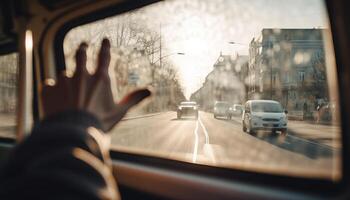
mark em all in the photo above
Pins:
pixel 288 65
pixel 224 82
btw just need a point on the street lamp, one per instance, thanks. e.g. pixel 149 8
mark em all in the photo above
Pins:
pixel 176 53
pixel 238 43
pixel 160 59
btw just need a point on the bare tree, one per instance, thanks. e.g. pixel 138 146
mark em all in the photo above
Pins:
pixel 136 50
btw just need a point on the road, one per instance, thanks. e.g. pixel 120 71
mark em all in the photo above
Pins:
pixel 222 142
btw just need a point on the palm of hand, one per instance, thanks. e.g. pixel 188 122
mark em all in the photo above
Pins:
pixel 89 92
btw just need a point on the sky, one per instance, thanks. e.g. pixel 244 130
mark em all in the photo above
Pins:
pixel 202 29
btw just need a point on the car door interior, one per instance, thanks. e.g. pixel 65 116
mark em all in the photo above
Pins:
pixel 147 177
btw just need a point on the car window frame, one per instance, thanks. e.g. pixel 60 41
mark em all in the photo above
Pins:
pixel 339 19
pixel 319 186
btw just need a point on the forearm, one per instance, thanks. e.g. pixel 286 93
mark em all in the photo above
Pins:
pixel 67 152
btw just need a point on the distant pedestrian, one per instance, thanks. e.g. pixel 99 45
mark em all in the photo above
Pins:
pixel 333 112
pixel 305 110
pixel 318 108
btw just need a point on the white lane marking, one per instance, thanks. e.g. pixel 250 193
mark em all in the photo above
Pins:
pixel 196 140
pixel 208 148
pixel 204 130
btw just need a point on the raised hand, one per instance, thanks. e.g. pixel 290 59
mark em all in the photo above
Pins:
pixel 91 93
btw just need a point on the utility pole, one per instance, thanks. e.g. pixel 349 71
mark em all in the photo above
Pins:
pixel 271 80
pixel 271 65
pixel 160 45
pixel 160 62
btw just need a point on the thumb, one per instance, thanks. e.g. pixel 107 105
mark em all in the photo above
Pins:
pixel 124 105
pixel 134 98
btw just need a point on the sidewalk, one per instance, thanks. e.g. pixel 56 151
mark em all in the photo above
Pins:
pixel 329 135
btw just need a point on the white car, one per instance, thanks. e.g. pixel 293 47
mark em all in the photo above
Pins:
pixel 265 115
pixel 187 108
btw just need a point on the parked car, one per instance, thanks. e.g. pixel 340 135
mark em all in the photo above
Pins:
pixel 222 109
pixel 265 115
pixel 187 108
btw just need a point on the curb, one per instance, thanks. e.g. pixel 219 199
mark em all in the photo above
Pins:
pixel 294 134
pixel 314 123
pixel 141 116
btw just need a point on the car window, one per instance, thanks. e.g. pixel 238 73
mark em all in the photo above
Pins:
pixel 222 104
pixel 266 107
pixel 238 107
pixel 8 94
pixel 209 51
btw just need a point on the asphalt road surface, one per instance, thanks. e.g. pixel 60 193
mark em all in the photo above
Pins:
pixel 222 142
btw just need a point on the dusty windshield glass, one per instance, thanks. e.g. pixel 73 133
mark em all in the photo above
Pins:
pixel 236 51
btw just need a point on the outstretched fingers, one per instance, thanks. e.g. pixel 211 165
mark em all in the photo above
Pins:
pixel 80 76
pixel 80 59
pixel 134 98
pixel 104 58
pixel 129 101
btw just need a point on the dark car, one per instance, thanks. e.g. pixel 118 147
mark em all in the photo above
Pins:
pixel 222 109
pixel 236 110
pixel 187 108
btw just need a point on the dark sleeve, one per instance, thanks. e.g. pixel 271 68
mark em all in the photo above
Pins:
pixel 65 157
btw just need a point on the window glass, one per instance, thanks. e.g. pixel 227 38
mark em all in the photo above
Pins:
pixel 235 51
pixel 266 107
pixel 8 94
